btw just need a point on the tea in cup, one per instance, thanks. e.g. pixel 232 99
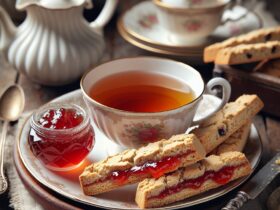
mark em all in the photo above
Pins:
pixel 135 101
pixel 190 22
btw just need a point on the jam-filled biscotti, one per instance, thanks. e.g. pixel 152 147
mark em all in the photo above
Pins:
pixel 134 165
pixel 210 173
pixel 228 120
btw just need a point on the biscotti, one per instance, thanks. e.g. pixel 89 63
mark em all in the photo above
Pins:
pixel 134 165
pixel 257 36
pixel 215 130
pixel 207 174
pixel 236 142
pixel 248 53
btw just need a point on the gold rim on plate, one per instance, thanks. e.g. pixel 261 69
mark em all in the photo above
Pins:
pixel 156 44
pixel 150 47
pixel 153 46
pixel 254 160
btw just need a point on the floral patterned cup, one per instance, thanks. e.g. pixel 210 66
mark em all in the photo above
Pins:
pixel 190 22
pixel 133 129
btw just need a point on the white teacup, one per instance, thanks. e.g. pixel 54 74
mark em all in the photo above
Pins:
pixel 127 128
pixel 190 22
pixel 191 3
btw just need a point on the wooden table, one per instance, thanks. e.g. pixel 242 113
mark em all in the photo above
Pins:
pixel 37 95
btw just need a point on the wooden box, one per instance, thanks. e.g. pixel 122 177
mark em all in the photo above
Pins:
pixel 267 87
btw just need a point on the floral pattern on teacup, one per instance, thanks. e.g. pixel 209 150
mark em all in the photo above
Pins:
pixel 148 21
pixel 144 132
pixel 192 25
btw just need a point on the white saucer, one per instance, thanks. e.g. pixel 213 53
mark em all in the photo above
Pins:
pixel 67 183
pixel 141 24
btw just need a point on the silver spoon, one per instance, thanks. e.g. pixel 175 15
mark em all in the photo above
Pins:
pixel 11 107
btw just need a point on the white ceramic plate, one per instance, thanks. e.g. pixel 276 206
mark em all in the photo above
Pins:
pixel 141 23
pixel 67 184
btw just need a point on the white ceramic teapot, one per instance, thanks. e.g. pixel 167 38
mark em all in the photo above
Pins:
pixel 55 45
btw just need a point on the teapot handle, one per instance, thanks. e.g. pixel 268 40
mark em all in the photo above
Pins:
pixel 105 15
pixel 7 29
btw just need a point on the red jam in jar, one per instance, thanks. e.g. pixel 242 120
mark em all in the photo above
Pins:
pixel 61 136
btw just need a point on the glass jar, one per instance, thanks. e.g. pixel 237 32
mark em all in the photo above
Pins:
pixel 61 136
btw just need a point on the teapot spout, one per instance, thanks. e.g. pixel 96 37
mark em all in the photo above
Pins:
pixel 7 30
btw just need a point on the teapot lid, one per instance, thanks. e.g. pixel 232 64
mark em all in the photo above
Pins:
pixel 53 4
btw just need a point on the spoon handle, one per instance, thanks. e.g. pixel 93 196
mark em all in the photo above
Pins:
pixel 3 179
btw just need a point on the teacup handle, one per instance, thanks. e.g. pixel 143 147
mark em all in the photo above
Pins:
pixel 226 91
pixel 239 2
pixel 105 15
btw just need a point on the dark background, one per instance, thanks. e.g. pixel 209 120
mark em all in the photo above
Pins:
pixel 272 5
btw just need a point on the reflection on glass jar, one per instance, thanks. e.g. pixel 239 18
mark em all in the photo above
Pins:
pixel 61 136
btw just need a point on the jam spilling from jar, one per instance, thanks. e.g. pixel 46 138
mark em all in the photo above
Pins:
pixel 56 146
pixel 154 168
pixel 221 177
